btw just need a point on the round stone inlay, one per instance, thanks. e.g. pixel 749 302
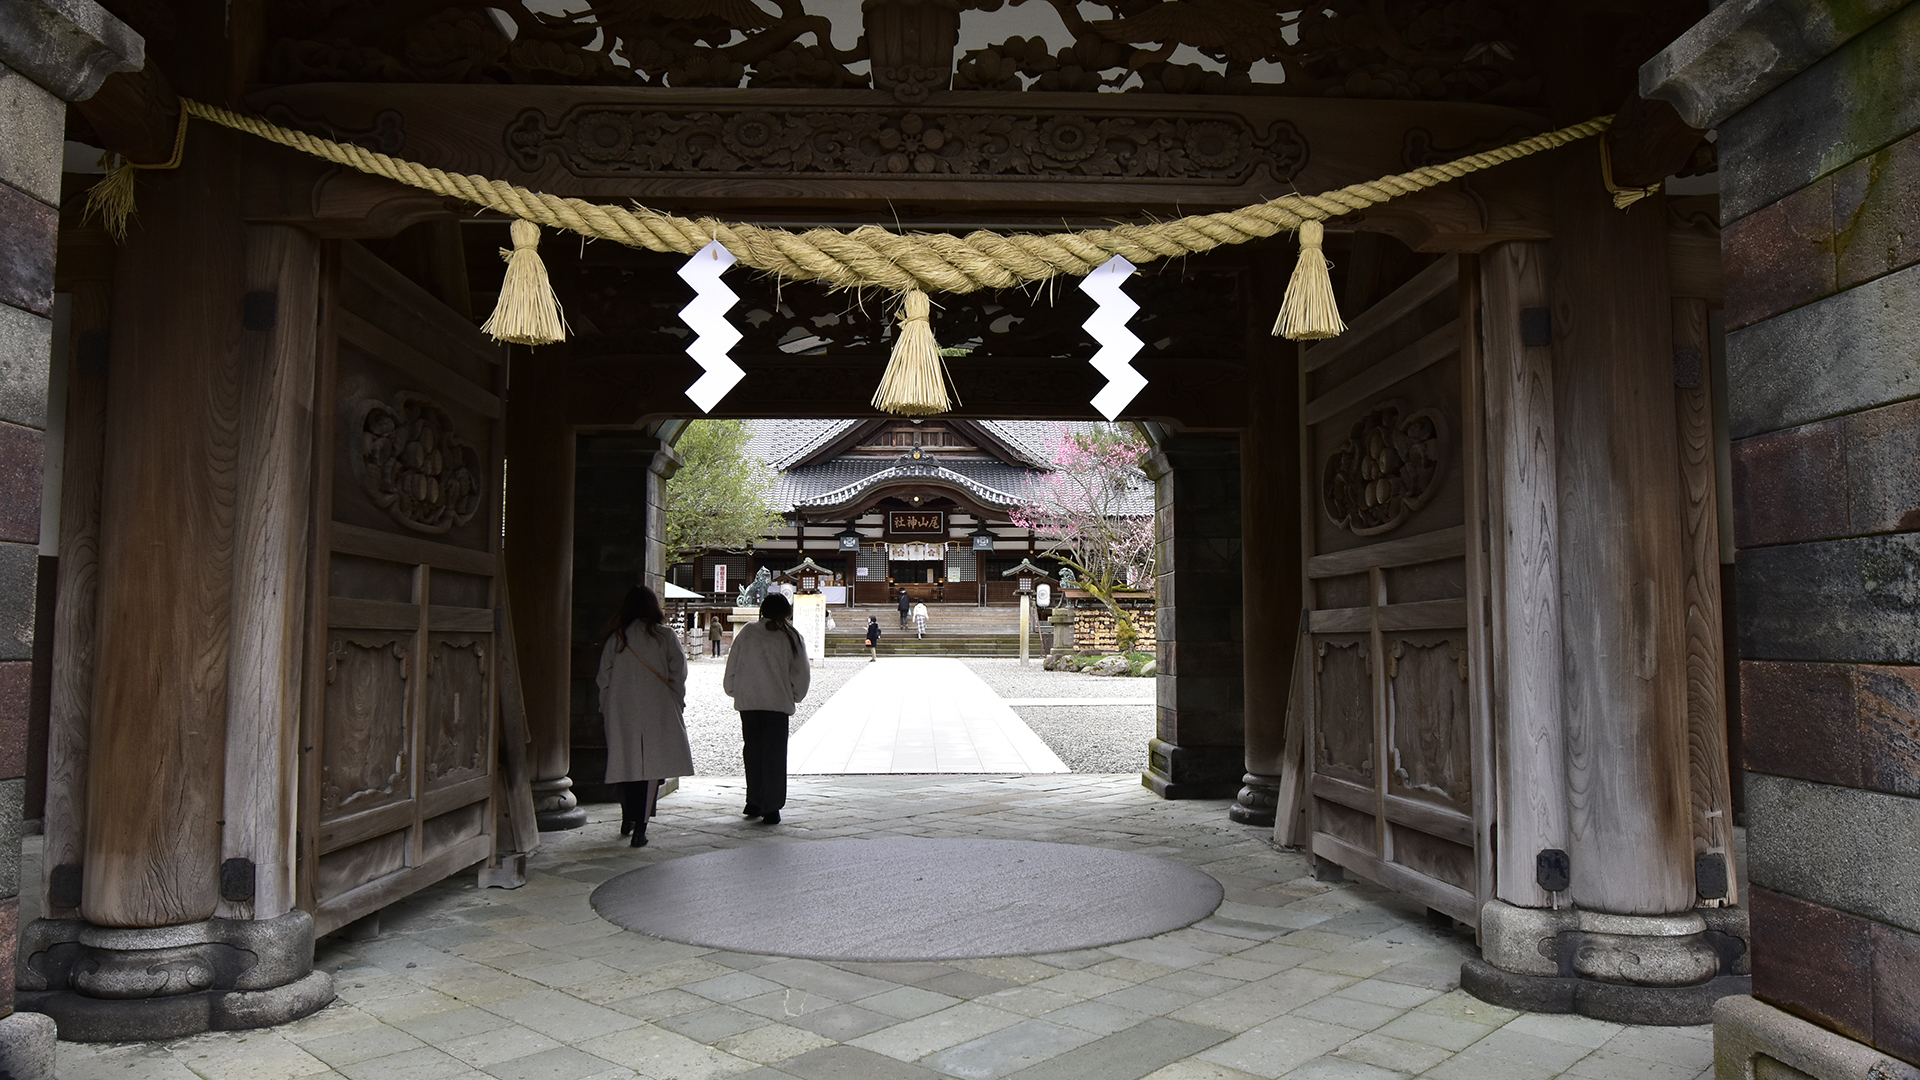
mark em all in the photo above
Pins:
pixel 908 898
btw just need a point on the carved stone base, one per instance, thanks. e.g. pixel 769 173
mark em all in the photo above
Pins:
pixel 1193 772
pixel 1258 802
pixel 102 984
pixel 1745 1031
pixel 1619 1003
pixel 554 807
pixel 1636 969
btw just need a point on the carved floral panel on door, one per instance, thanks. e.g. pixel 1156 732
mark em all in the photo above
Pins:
pixel 1392 529
pixel 399 787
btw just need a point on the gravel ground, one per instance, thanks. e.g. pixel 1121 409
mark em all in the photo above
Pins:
pixel 1089 739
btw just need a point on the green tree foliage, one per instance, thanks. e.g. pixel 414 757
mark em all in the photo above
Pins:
pixel 720 500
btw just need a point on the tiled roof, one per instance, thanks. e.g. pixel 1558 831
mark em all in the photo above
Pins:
pixel 780 443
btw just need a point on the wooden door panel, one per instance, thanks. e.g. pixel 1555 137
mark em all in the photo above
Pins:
pixel 399 787
pixel 1389 513
pixel 1343 684
pixel 458 704
pixel 366 741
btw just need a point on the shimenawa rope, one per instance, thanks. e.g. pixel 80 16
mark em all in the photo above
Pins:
pixel 904 263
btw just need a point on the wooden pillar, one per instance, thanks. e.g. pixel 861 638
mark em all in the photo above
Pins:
pixel 1622 574
pixel 1199 749
pixel 272 524
pixel 157 761
pixel 1524 535
pixel 1270 585
pixel 76 616
pixel 539 567
pixel 1712 804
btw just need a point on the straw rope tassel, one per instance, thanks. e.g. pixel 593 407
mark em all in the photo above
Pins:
pixel 112 197
pixel 915 382
pixel 527 312
pixel 1309 312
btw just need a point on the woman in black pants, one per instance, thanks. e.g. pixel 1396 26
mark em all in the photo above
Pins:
pixel 767 674
pixel 643 692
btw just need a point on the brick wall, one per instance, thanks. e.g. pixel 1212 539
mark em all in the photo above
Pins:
pixel 1820 191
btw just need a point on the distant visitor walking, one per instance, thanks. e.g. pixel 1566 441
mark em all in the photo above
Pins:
pixel 643 694
pixel 920 620
pixel 713 634
pixel 873 638
pixel 904 605
pixel 767 674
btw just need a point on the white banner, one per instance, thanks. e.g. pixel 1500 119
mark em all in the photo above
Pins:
pixel 917 552
pixel 810 618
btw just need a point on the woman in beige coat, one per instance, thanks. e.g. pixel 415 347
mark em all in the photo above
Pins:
pixel 643 691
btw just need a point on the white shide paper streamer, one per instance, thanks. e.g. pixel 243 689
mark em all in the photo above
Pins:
pixel 1118 345
pixel 714 336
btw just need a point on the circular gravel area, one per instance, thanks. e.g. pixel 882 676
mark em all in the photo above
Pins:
pixel 908 898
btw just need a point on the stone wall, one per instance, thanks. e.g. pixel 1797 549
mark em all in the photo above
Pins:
pixel 618 542
pixel 1199 749
pixel 50 53
pixel 1820 197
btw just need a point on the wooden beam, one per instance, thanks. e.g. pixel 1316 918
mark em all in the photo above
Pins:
pixel 270 563
pixel 1524 529
pixel 1706 677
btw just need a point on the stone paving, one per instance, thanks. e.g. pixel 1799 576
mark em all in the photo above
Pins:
pixel 1289 978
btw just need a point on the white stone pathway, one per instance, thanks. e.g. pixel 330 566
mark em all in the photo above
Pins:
pixel 918 715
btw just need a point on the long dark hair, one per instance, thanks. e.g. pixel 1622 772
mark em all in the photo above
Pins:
pixel 778 611
pixel 639 605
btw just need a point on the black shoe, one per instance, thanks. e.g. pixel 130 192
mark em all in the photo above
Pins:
pixel 639 840
pixel 771 817
pixel 626 828
pixel 750 810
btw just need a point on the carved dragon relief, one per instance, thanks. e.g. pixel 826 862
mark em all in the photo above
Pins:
pixel 997 142
pixel 1433 50
pixel 413 465
pixel 1390 466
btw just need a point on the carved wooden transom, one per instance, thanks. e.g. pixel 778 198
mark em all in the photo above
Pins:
pixel 413 465
pixel 1389 467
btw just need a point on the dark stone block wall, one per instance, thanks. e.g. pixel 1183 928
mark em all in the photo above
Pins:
pixel 30 147
pixel 1820 183
pixel 1200 748
pixel 616 524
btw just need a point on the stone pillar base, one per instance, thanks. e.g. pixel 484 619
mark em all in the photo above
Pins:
pixel 1194 772
pixel 102 984
pixel 1745 1031
pixel 554 807
pixel 26 1046
pixel 1258 801
pixel 1630 969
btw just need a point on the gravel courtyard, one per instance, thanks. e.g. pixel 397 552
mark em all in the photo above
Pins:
pixel 1090 739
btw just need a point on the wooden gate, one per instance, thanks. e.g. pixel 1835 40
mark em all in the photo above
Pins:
pixel 1399 738
pixel 398 729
